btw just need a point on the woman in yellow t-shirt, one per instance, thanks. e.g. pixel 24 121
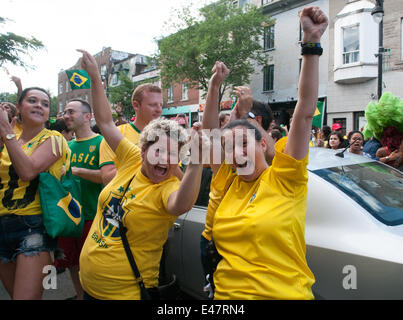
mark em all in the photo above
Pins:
pixel 152 201
pixel 259 224
pixel 25 246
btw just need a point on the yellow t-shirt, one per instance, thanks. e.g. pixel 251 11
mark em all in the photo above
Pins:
pixel 105 272
pixel 22 198
pixel 259 230
pixel 17 128
pixel 217 192
pixel 106 155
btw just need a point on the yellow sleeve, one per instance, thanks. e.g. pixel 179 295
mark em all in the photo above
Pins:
pixel 127 153
pixel 219 186
pixel 167 190
pixel 106 155
pixel 288 174
pixel 59 145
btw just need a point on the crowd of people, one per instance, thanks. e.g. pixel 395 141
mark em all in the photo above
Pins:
pixel 388 150
pixel 130 175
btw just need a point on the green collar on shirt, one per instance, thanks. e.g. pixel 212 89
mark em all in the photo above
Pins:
pixel 134 127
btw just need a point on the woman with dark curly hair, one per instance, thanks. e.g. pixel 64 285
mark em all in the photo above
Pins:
pixel 391 150
pixel 356 140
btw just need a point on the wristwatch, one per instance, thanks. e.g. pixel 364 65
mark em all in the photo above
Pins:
pixel 249 115
pixel 10 136
pixel 387 158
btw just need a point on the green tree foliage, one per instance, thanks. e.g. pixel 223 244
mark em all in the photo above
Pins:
pixel 8 97
pixel 123 93
pixel 13 47
pixel 223 33
pixel 54 107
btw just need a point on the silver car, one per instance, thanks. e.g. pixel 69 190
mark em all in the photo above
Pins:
pixel 354 230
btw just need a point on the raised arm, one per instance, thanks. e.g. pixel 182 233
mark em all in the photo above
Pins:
pixel 102 110
pixel 314 23
pixel 210 114
pixel 183 199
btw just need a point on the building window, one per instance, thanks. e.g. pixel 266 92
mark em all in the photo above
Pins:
pixel 86 97
pixel 103 70
pixel 185 91
pixel 170 94
pixel 401 42
pixel 266 2
pixel 351 44
pixel 115 79
pixel 268 77
pixel 342 122
pixel 67 86
pixel 359 120
pixel 60 87
pixel 268 38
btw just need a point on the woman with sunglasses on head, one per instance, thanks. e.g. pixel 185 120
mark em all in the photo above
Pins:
pixel 259 223
pixel 25 247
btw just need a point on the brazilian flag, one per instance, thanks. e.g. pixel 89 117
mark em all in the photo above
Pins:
pixel 78 79
pixel 318 115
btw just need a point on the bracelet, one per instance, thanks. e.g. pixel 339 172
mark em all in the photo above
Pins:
pixel 311 48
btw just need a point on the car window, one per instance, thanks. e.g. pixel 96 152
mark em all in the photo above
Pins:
pixel 376 187
pixel 203 198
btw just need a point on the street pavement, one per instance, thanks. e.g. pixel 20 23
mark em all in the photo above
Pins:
pixel 64 289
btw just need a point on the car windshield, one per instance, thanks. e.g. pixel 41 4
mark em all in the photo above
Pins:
pixel 376 187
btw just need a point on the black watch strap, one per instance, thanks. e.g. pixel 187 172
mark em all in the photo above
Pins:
pixel 307 50
pixel 311 48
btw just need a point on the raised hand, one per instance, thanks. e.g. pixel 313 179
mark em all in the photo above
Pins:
pixel 245 100
pixel 89 64
pixel 199 144
pixel 314 23
pixel 220 73
pixel 4 121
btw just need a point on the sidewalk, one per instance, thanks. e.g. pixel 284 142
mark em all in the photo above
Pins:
pixel 65 289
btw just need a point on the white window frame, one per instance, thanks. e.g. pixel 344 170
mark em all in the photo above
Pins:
pixel 185 91
pixel 401 39
pixel 351 56
pixel 170 97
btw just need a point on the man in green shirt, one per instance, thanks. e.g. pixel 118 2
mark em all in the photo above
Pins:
pixel 85 166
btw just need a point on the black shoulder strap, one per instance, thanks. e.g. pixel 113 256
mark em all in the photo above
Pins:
pixel 139 279
pixel 122 230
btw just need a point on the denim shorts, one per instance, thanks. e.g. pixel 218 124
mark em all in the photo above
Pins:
pixel 23 234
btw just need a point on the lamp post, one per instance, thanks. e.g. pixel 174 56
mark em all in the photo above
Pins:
pixel 377 15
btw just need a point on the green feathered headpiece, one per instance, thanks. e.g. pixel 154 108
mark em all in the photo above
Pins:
pixel 387 112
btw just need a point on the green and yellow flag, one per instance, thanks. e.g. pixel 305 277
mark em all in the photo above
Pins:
pixel 78 79
pixel 318 115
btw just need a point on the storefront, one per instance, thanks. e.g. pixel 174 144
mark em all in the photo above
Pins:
pixel 191 112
